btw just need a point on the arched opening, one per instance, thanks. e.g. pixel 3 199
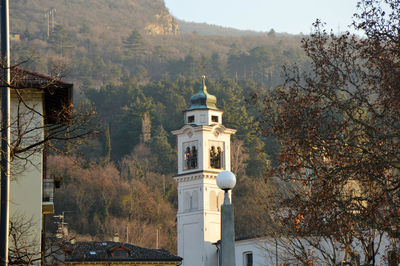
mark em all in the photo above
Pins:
pixel 190 157
pixel 216 157
pixel 187 158
pixel 193 159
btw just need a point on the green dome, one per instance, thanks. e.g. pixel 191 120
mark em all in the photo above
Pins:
pixel 203 100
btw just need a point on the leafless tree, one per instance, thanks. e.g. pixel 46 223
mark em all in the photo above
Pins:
pixel 338 126
pixel 24 248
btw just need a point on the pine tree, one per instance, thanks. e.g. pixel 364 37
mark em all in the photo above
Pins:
pixel 134 44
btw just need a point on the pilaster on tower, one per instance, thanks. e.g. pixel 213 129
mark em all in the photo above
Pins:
pixel 203 151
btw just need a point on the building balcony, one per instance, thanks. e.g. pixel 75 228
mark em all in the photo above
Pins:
pixel 48 196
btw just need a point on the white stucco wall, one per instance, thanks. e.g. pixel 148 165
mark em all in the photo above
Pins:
pixel 261 256
pixel 198 224
pixel 267 252
pixel 26 175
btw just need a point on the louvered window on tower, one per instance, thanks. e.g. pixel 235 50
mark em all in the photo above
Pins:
pixel 215 157
pixel 190 156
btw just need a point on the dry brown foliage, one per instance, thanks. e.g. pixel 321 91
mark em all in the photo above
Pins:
pixel 338 126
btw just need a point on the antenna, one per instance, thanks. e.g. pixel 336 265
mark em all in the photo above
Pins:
pixel 60 225
pixel 52 19
pixel 203 61
pixel 49 14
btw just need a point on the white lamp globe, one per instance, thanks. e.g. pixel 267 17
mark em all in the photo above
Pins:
pixel 226 180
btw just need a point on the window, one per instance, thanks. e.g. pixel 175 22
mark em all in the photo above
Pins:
pixel 214 118
pixel 393 257
pixel 191 119
pixel 190 155
pixel 119 253
pixel 215 157
pixel 191 158
pixel 187 158
pixel 248 258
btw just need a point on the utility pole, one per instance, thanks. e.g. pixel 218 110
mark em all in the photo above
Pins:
pixel 60 225
pixel 5 132
pixel 52 14
pixel 48 23
pixel 49 14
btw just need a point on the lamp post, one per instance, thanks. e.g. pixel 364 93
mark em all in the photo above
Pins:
pixel 5 131
pixel 226 180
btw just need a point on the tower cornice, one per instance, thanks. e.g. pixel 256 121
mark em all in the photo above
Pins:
pixel 198 175
pixel 218 127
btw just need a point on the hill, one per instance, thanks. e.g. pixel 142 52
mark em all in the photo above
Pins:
pixel 113 18
pixel 129 61
pixel 108 23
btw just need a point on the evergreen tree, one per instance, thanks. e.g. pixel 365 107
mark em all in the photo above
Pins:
pixel 134 45
pixel 167 156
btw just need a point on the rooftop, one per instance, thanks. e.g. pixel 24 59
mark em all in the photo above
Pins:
pixel 105 251
pixel 57 93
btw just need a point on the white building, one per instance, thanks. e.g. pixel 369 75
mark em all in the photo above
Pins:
pixel 36 106
pixel 321 251
pixel 203 152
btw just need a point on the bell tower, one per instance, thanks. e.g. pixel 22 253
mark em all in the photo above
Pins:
pixel 203 151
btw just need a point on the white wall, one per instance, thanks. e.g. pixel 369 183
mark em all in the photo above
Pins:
pixel 261 256
pixel 26 175
pixel 265 249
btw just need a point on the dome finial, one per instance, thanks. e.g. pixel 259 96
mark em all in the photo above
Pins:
pixel 203 100
pixel 203 81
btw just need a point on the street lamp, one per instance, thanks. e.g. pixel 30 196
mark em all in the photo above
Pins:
pixel 226 180
pixel 5 132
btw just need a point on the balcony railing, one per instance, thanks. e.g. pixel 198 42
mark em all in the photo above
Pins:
pixel 48 196
pixel 48 190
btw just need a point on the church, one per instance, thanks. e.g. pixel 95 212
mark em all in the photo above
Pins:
pixel 203 152
pixel 203 145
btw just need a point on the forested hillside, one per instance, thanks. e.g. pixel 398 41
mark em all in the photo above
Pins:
pixel 129 60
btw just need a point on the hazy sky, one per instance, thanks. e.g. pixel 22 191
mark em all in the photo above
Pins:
pixel 292 16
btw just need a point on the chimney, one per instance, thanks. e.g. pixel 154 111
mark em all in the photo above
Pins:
pixel 116 237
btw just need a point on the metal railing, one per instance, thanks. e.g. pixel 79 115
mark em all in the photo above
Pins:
pixel 48 190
